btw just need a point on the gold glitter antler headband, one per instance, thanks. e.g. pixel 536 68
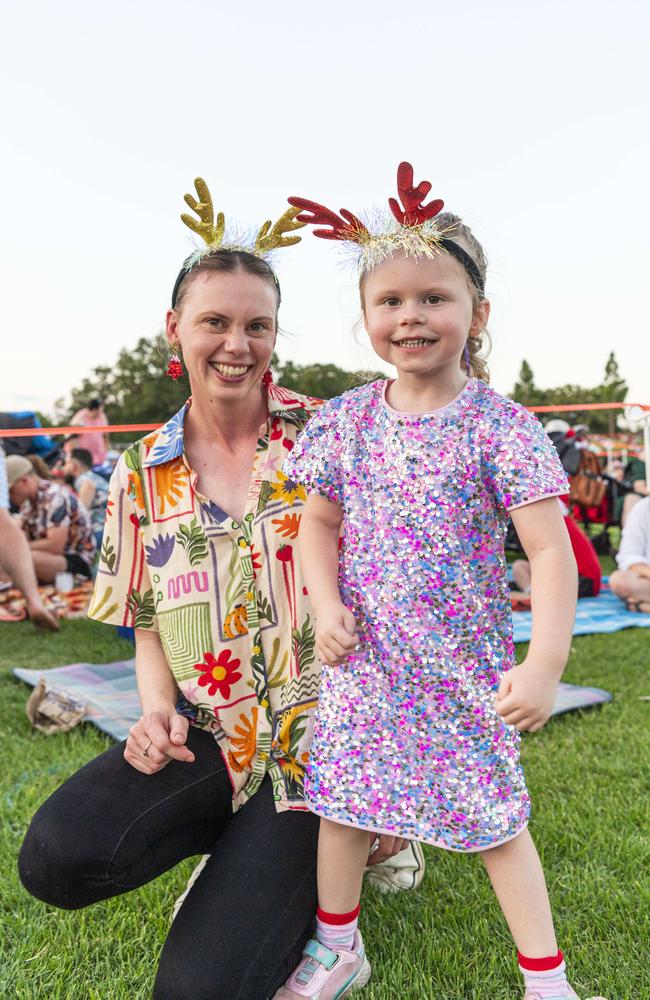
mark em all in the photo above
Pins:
pixel 273 238
pixel 268 238
pixel 205 228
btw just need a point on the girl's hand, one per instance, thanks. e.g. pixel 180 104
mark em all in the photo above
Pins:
pixel 163 735
pixel 336 633
pixel 526 697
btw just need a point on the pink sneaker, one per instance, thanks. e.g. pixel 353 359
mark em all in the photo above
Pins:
pixel 572 996
pixel 327 975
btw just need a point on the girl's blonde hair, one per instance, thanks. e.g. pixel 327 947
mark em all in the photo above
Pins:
pixel 461 234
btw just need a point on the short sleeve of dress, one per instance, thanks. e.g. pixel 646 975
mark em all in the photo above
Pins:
pixel 520 461
pixel 315 461
pixel 123 594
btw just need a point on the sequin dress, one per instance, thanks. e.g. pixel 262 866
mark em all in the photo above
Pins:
pixel 407 740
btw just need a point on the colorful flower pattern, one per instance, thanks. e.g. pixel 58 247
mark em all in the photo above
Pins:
pixel 225 596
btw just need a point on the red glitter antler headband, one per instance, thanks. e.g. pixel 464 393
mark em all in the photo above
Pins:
pixel 411 228
pixel 345 226
pixel 414 212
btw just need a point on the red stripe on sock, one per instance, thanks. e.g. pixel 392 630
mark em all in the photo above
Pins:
pixel 540 964
pixel 338 918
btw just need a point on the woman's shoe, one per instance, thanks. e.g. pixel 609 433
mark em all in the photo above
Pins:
pixel 323 974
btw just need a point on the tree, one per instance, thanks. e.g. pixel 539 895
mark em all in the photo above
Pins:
pixel 323 381
pixel 137 390
pixel 525 390
pixel 134 390
pixel 613 389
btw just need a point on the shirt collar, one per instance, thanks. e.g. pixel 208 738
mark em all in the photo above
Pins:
pixel 166 443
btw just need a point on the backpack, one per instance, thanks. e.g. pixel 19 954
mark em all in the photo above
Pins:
pixel 587 486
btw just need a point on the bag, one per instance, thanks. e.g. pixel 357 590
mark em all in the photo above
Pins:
pixel 587 486
pixel 51 710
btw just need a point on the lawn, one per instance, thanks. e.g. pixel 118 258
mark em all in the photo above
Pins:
pixel 589 778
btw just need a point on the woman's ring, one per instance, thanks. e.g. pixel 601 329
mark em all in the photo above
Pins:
pixel 145 752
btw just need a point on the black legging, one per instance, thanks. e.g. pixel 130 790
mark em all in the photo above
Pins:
pixel 110 829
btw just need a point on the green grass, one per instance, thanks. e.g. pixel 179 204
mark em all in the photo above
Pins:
pixel 588 775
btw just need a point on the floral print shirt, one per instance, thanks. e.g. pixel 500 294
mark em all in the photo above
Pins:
pixel 225 596
pixel 55 506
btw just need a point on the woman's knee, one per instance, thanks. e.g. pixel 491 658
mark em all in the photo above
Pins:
pixel 47 865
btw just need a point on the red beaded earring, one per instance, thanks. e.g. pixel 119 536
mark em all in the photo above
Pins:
pixel 267 378
pixel 174 366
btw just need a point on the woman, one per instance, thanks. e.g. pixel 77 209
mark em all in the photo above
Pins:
pixel 199 556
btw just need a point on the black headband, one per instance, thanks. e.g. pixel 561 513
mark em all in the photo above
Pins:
pixel 464 258
pixel 185 270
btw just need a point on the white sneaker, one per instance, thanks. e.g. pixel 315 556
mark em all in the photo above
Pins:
pixel 404 871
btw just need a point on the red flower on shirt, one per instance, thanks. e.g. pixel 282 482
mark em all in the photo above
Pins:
pixel 218 674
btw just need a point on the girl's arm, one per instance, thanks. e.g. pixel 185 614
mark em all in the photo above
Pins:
pixel 527 692
pixel 318 543
pixel 160 730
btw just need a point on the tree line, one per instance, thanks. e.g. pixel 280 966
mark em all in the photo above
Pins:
pixel 135 388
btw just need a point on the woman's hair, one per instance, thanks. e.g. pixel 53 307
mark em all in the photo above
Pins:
pixel 461 234
pixel 228 261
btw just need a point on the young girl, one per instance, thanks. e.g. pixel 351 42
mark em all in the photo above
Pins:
pixel 417 733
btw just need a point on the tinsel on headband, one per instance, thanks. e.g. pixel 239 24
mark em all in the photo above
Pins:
pixel 269 237
pixel 216 235
pixel 410 229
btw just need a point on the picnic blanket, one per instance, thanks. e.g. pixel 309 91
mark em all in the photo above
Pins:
pixel 605 613
pixel 71 604
pixel 109 690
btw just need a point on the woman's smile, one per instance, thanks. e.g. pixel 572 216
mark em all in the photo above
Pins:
pixel 229 372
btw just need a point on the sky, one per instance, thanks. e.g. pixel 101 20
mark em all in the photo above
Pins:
pixel 530 120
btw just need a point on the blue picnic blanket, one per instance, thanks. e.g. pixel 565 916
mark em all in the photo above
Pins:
pixel 605 613
pixel 109 690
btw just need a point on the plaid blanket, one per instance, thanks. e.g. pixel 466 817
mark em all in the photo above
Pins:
pixel 605 613
pixel 110 692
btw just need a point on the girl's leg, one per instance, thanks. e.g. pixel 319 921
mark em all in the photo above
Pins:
pixel 342 858
pixel 335 962
pixel 518 881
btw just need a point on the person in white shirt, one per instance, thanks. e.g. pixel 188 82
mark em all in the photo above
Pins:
pixel 631 581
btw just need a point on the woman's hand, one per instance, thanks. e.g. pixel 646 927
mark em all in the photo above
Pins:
pixel 155 739
pixel 526 696
pixel 387 847
pixel 336 633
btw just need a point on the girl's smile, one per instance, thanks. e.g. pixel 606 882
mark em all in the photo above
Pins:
pixel 419 314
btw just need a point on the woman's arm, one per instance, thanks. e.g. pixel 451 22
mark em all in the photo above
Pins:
pixel 160 730
pixel 318 543
pixel 527 692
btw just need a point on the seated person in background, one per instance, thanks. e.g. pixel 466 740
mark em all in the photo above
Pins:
pixel 16 562
pixel 56 524
pixel 91 488
pixel 92 415
pixel 631 581
pixel 589 572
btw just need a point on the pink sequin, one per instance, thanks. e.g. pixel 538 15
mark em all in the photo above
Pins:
pixel 407 739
